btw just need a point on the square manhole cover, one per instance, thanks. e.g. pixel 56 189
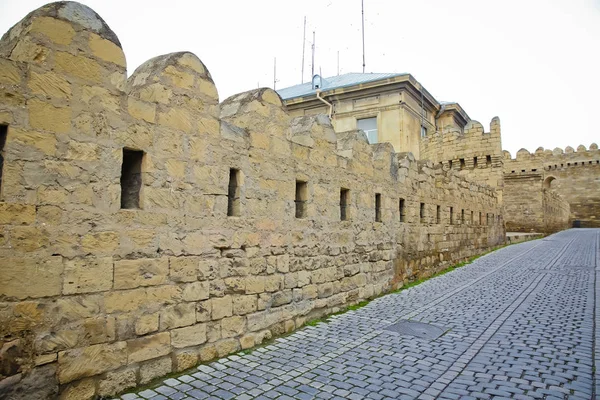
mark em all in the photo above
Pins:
pixel 416 329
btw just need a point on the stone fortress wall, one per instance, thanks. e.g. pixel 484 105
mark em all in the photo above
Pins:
pixel 574 175
pixel 471 151
pixel 529 207
pixel 146 227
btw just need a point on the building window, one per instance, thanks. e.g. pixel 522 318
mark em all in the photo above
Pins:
pixel 131 178
pixel 3 134
pixel 402 210
pixel 474 162
pixel 462 163
pixel 451 215
pixel 344 196
pixel 369 127
pixel 480 218
pixel 377 207
pixel 438 214
pixel 488 160
pixel 233 193
pixel 462 216
pixel 422 212
pixel 472 216
pixel 423 131
pixel 301 198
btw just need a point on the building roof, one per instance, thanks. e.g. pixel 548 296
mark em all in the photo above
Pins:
pixel 333 82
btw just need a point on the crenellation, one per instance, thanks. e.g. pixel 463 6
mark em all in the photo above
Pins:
pixel 148 227
pixel 559 171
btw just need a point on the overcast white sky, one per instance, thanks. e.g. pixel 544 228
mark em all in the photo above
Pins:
pixel 533 63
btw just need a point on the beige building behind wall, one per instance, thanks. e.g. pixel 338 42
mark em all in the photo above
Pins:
pixel 397 109
pixel 392 108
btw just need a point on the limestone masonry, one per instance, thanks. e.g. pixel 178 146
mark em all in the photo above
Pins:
pixel 146 227
pixel 572 176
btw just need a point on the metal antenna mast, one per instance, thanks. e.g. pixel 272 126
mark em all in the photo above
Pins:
pixel 362 2
pixel 303 46
pixel 312 72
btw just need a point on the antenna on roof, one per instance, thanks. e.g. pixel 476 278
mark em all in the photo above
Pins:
pixel 303 46
pixel 312 72
pixel 362 2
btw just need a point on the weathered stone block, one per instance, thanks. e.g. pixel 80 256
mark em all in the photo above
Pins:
pixel 185 359
pixel 143 272
pixel 30 277
pixel 196 291
pixel 232 326
pixel 188 336
pixel 46 117
pixel 88 275
pixel 155 368
pixel 89 361
pixel 148 347
pixel 244 304
pixel 100 242
pixel 146 324
pixel 106 50
pixel 16 214
pixel 141 110
pixel 49 84
pixel 117 381
pixel 227 346
pixel 79 66
pixel 178 315
pixel 82 390
pixel 222 307
pixel 183 269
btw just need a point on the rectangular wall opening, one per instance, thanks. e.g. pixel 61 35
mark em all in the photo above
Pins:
pixel 472 216
pixel 462 216
pixel 438 214
pixel 474 162
pixel 377 207
pixel 131 178
pixel 422 212
pixel 402 210
pixel 344 196
pixel 462 163
pixel 480 218
pixel 3 134
pixel 301 199
pixel 233 193
pixel 488 160
pixel 451 215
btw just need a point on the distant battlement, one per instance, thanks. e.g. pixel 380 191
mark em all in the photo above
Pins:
pixel 546 159
pixel 470 148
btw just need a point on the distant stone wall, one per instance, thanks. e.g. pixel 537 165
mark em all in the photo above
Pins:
pixel 146 227
pixel 472 152
pixel 529 207
pixel 575 175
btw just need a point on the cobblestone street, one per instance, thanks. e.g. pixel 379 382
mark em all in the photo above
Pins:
pixel 518 323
